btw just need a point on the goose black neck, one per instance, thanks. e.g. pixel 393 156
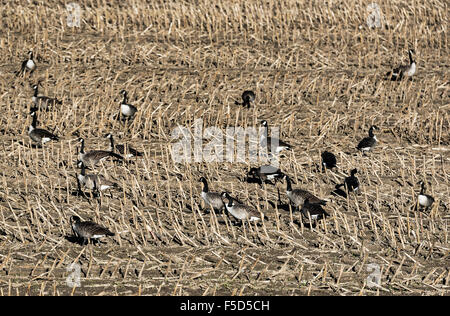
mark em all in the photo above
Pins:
pixel 34 122
pixel 82 147
pixel 371 134
pixel 422 188
pixel 205 186
pixel 410 57
pixel 125 98
pixel 111 140
pixel 288 184
pixel 36 91
pixel 230 201
pixel 83 170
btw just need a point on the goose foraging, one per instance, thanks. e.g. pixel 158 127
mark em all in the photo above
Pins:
pixel 313 210
pixel 93 157
pixel 247 98
pixel 351 183
pixel 328 160
pixel 94 182
pixel 43 100
pixel 298 197
pixel 266 173
pixel 88 230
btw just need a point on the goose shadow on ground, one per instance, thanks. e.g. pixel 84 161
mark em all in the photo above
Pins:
pixel 81 241
pixel 307 225
pixel 78 192
pixel 338 191
pixel 31 145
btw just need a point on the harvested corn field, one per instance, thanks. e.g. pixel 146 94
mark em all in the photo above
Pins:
pixel 318 72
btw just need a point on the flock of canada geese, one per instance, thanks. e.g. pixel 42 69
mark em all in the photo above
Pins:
pixel 310 206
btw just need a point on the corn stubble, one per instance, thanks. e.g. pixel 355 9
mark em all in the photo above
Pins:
pixel 317 71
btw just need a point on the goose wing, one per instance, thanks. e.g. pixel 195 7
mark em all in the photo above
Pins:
pixel 38 134
pixel 92 230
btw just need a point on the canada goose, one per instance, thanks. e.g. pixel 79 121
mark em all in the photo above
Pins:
pixel 299 196
pixel 338 191
pixel 314 210
pixel 240 211
pixel 403 70
pixel 88 230
pixel 268 141
pixel 127 110
pixel 211 198
pixel 39 135
pixel 43 100
pixel 425 200
pixel 368 143
pixel 328 160
pixel 247 97
pixel 27 65
pixel 93 157
pixel 126 150
pixel 94 182
pixel 266 173
pixel 351 183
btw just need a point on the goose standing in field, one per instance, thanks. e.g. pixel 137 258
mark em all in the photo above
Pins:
pixel 39 135
pixel 93 157
pixel 351 183
pixel 368 143
pixel 424 200
pixel 247 98
pixel 272 141
pixel 94 182
pixel 212 199
pixel 404 70
pixel 127 110
pixel 126 150
pixel 266 173
pixel 43 100
pixel 328 160
pixel 240 211
pixel 28 65
pixel 299 196
pixel 313 210
pixel 88 230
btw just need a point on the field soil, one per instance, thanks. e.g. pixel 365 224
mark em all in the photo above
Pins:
pixel 318 72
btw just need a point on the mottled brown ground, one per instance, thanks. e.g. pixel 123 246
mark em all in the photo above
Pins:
pixel 317 70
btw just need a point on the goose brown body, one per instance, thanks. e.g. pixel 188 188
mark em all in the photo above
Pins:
pixel 88 230
pixel 299 196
